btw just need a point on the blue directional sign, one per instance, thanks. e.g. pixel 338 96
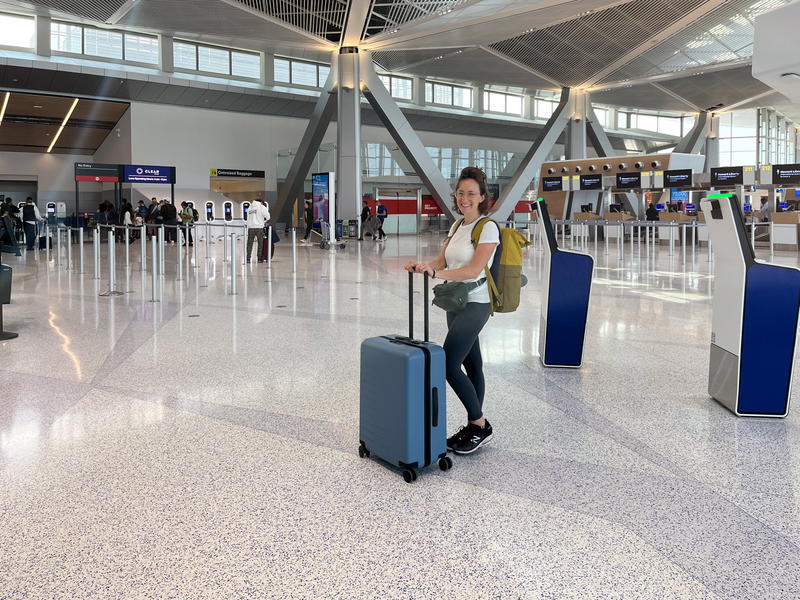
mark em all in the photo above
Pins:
pixel 148 174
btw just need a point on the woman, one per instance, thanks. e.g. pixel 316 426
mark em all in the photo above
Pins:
pixel 459 260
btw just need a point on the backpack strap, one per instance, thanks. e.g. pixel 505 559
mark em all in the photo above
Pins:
pixel 457 224
pixel 494 293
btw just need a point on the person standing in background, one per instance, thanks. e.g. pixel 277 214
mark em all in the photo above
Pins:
pixel 309 217
pixel 257 217
pixel 187 218
pixel 382 214
pixel 31 219
pixel 169 214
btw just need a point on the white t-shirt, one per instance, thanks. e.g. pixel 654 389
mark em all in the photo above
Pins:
pixel 459 253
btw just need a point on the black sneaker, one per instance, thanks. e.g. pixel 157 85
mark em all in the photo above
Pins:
pixel 462 431
pixel 473 439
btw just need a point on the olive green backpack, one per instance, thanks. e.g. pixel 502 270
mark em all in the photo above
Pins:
pixel 505 278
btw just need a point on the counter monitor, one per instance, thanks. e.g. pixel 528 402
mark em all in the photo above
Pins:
pixel 551 184
pixel 679 178
pixel 591 182
pixel 629 181
pixel 727 176
pixel 659 207
pixel 786 174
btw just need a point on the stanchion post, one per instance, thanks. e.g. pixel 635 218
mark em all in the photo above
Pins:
pixel 208 232
pixel 269 246
pixel 80 250
pixel 154 271
pixel 161 251
pixel 47 239
pixel 58 246
pixel 294 250
pixel 225 241
pixel 180 256
pixel 622 239
pixel 69 248
pixel 671 238
pixel 753 235
pixel 143 238
pixel 96 245
pixel 771 240
pixel 112 275
pixel 233 267
pixel 127 247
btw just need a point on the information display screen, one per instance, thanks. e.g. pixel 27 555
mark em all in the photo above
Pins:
pixel 678 178
pixel 552 184
pixel 679 196
pixel 786 174
pixel 659 207
pixel 591 182
pixel 629 181
pixel 148 174
pixel 727 176
pixel 690 207
pixel 320 195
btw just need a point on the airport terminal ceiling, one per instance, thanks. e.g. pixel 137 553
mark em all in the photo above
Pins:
pixel 637 53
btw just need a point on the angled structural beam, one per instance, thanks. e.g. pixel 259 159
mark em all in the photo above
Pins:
pixel 520 65
pixel 357 17
pixel 693 141
pixel 312 138
pixel 405 137
pixel 534 158
pixel 677 97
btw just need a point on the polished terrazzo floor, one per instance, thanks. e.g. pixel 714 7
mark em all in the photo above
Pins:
pixel 204 446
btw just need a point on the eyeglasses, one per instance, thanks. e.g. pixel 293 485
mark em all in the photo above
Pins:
pixel 460 195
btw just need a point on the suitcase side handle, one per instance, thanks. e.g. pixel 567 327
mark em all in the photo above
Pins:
pixel 435 407
pixel 426 308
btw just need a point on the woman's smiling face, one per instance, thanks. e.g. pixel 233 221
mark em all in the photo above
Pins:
pixel 468 197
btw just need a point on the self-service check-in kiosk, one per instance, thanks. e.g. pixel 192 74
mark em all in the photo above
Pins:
pixel 227 210
pixel 245 208
pixel 209 212
pixel 565 299
pixel 754 321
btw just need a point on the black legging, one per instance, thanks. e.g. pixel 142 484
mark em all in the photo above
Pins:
pixel 461 347
pixel 309 225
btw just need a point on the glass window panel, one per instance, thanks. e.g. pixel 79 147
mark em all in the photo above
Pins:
pixel 442 94
pixel 744 158
pixel 304 73
pixel 725 159
pixel 669 125
pixel 744 123
pixel 622 120
pixel 428 92
pixel 213 60
pixel 462 97
pixel 244 64
pixel 66 38
pixel 184 56
pixel 725 126
pixel 401 88
pixel 387 82
pixel 140 48
pixel 647 122
pixel 282 70
pixel 544 109
pixel 743 144
pixel 497 102
pixel 688 123
pixel 514 105
pixel 100 42
pixel 602 116
pixel 18 31
pixel 323 74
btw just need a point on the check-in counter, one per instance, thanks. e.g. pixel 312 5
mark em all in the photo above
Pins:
pixel 785 229
pixel 612 230
pixel 586 231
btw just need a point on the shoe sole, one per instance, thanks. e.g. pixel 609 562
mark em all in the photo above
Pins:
pixel 483 443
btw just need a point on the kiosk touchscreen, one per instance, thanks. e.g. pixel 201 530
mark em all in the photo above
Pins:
pixel 51 211
pixel 245 208
pixel 227 211
pixel 565 299
pixel 209 212
pixel 754 318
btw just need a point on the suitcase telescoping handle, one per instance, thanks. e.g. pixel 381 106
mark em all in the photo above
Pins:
pixel 411 305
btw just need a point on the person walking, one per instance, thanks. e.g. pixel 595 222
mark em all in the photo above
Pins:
pixel 459 260
pixel 366 223
pixel 126 221
pixel 257 217
pixel 382 214
pixel 31 219
pixel 187 219
pixel 651 214
pixel 309 217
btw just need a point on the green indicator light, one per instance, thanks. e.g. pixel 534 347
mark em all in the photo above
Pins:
pixel 716 196
pixel 540 199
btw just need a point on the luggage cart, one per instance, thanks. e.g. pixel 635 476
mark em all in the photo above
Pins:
pixel 328 238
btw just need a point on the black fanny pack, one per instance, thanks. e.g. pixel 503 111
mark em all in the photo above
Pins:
pixel 453 296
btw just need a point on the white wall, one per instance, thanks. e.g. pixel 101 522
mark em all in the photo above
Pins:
pixel 54 174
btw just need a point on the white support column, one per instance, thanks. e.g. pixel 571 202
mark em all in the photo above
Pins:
pixel 43 25
pixel 348 136
pixel 167 53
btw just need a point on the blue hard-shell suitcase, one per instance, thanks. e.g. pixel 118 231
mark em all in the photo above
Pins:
pixel 403 415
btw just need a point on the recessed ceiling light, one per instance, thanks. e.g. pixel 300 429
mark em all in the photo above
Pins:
pixel 3 108
pixel 38 106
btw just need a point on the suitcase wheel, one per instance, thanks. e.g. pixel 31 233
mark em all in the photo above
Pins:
pixel 323 245
pixel 362 451
pixel 409 475
pixel 445 463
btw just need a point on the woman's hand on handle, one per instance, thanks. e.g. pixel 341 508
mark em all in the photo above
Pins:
pixel 425 268
pixel 411 267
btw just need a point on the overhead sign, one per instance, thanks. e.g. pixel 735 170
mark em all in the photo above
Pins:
pixel 678 178
pixel 237 173
pixel 96 172
pixel 148 174
pixel 552 184
pixel 629 181
pixel 786 174
pixel 591 182
pixel 727 176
